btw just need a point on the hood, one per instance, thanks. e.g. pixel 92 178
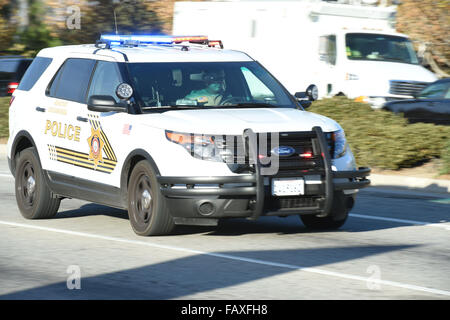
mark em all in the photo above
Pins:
pixel 235 121
pixel 383 70
pixel 374 77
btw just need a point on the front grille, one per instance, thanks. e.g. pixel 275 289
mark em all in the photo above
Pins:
pixel 232 149
pixel 406 88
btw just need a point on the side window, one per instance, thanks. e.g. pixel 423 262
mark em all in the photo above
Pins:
pixel 72 80
pixel 327 49
pixel 105 80
pixel 34 72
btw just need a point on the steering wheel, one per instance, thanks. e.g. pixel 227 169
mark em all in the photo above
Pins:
pixel 230 100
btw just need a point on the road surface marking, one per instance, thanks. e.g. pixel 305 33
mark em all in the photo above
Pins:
pixel 235 258
pixel 419 223
pixel 444 201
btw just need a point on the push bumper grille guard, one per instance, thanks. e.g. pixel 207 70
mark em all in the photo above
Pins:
pixel 257 190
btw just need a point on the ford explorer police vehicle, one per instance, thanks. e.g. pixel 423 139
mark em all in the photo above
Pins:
pixel 176 130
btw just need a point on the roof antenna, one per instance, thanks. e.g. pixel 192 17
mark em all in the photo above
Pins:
pixel 115 20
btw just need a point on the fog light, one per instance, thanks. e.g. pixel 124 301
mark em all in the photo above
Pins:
pixel 206 208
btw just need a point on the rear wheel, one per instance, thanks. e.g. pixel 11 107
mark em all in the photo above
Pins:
pixel 147 210
pixel 337 218
pixel 33 196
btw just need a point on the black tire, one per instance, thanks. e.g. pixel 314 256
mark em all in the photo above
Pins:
pixel 147 208
pixel 337 218
pixel 33 196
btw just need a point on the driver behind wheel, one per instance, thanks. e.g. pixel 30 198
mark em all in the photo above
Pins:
pixel 212 94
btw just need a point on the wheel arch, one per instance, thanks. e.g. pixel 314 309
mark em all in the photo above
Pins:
pixel 22 141
pixel 130 162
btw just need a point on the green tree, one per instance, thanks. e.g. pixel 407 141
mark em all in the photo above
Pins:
pixel 132 16
pixel 36 35
pixel 7 29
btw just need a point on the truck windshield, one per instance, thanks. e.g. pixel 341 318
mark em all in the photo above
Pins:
pixel 198 84
pixel 379 47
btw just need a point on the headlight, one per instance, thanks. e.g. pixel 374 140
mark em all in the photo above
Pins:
pixel 340 143
pixel 199 146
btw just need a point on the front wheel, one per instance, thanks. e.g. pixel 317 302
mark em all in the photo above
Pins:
pixel 147 210
pixel 337 218
pixel 34 198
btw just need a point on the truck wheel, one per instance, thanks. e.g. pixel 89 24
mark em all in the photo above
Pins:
pixel 147 209
pixel 33 196
pixel 337 218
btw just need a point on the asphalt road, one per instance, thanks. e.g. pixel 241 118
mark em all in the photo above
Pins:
pixel 395 245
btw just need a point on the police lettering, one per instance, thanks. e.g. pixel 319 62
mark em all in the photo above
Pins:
pixel 64 131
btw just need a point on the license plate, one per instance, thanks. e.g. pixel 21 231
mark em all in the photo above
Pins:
pixel 288 187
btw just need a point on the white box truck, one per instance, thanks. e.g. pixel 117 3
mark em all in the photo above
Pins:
pixel 345 49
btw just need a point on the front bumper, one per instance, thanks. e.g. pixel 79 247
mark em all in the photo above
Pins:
pixel 249 195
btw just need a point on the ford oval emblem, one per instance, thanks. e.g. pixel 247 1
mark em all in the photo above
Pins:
pixel 283 151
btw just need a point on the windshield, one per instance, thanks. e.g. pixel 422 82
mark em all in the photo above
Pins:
pixel 379 47
pixel 198 84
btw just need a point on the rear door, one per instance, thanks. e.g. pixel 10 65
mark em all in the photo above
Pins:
pixel 63 130
pixel 83 143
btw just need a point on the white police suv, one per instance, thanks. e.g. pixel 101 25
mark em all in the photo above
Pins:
pixel 176 130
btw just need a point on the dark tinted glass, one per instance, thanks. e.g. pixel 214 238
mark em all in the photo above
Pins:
pixel 366 46
pixel 435 91
pixel 72 80
pixel 34 72
pixel 206 84
pixel 9 65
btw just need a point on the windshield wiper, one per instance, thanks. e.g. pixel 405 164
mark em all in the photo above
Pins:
pixel 175 106
pixel 250 105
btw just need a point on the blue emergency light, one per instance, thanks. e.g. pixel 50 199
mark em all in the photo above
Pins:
pixel 116 40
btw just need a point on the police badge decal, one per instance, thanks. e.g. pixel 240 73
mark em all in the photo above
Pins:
pixel 95 147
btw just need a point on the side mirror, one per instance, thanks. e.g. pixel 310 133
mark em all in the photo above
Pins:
pixel 300 95
pixel 312 92
pixel 105 104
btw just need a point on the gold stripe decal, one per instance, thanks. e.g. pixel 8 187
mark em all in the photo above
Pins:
pixel 101 156
pixel 80 159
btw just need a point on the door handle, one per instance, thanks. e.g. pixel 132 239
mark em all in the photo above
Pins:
pixel 40 109
pixel 79 118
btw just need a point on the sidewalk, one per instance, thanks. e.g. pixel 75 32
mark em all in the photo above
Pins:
pixel 377 180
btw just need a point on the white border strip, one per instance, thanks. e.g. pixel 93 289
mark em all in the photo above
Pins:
pixel 235 258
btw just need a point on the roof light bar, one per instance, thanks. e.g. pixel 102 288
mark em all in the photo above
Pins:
pixel 116 40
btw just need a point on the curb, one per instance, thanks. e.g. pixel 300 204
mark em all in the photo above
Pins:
pixel 415 183
pixel 377 180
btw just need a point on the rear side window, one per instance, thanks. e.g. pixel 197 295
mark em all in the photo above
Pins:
pixel 9 65
pixel 34 72
pixel 72 80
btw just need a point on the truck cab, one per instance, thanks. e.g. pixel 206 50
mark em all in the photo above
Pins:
pixel 371 66
pixel 344 49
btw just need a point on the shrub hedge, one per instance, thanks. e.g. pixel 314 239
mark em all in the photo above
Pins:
pixel 378 139
pixel 382 139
